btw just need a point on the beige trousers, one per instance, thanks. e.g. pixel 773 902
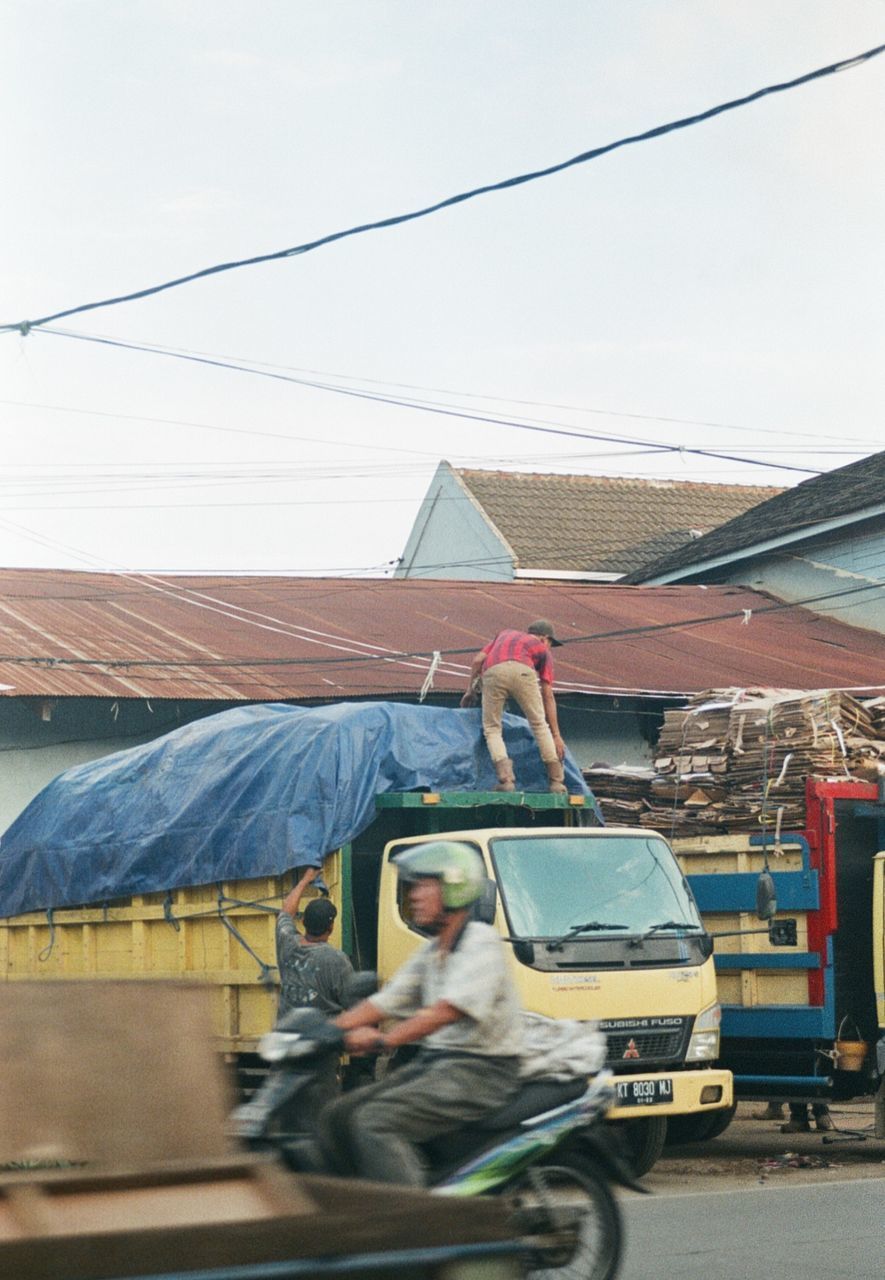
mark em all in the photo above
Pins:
pixel 517 681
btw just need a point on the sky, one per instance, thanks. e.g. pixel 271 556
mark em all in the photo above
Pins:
pixel 717 288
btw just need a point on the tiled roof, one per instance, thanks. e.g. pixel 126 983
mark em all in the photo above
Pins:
pixel 601 524
pixel 265 639
pixel 831 496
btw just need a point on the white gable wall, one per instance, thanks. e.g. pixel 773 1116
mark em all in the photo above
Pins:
pixel 451 538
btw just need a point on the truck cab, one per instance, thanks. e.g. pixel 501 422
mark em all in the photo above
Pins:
pixel 600 924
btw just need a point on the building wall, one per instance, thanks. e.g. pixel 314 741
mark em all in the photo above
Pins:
pixel 824 567
pixel 604 733
pixel 451 539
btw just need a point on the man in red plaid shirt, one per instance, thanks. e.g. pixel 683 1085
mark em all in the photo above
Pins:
pixel 518 665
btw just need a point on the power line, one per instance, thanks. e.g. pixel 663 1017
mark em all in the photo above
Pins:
pixel 429 407
pixel 25 326
pixel 667 419
pixel 211 426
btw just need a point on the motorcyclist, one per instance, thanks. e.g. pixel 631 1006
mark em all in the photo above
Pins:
pixel 455 996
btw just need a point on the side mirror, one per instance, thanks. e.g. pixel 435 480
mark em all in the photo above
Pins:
pixel 766 897
pixel 486 906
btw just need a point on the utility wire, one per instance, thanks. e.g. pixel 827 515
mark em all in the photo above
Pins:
pixel 428 407
pixel 659 131
pixel 669 420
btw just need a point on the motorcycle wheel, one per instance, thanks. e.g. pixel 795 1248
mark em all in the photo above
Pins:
pixel 572 1223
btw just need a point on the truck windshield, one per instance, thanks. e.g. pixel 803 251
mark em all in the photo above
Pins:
pixel 550 884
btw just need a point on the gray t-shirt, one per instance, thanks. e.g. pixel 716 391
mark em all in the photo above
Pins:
pixel 312 974
pixel 474 978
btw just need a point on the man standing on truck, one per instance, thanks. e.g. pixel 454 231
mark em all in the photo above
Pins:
pixel 518 665
pixel 456 996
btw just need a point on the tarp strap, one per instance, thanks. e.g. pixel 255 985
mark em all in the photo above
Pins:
pixel 265 971
pixel 257 904
pixel 167 912
pixel 47 950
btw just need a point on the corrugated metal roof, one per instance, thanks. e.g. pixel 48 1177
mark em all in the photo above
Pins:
pixel 602 524
pixel 261 639
pixel 835 495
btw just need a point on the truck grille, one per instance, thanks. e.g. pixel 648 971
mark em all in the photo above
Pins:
pixel 643 1042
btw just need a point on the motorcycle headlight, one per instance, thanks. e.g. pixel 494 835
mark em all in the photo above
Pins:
pixel 704 1043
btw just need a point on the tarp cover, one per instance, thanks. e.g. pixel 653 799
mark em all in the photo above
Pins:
pixel 249 792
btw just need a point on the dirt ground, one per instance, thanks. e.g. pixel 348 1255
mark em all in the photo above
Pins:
pixel 754 1152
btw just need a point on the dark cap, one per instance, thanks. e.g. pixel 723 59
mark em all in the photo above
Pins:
pixel 544 628
pixel 319 915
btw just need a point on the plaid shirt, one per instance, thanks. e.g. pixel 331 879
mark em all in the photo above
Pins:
pixel 519 646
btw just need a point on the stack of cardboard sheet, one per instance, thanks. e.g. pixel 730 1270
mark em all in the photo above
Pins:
pixel 875 709
pixel 738 759
pixel 621 792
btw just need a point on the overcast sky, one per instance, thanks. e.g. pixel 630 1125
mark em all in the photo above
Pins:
pixel 722 285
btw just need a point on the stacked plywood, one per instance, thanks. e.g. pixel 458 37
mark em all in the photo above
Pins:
pixel 736 760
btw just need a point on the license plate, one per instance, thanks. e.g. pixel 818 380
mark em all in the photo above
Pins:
pixel 644 1093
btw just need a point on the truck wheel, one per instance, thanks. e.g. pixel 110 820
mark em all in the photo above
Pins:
pixel 644 1141
pixel 701 1127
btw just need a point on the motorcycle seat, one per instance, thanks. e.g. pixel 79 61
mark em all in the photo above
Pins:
pixel 533 1099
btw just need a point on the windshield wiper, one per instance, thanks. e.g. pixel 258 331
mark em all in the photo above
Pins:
pixel 591 926
pixel 663 924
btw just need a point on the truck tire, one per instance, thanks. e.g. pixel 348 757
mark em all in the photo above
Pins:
pixel 701 1127
pixel 644 1141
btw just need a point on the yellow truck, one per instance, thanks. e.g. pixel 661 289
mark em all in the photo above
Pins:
pixel 599 923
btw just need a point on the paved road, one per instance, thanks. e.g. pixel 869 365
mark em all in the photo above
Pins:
pixel 825 1231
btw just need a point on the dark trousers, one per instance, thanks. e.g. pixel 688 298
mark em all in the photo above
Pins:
pixel 373 1132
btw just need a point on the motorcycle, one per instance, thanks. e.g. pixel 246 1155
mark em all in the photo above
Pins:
pixel 548 1151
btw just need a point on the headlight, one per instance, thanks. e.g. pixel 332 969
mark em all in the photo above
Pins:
pixel 704 1043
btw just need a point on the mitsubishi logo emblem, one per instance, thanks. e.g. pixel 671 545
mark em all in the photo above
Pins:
pixel 631 1051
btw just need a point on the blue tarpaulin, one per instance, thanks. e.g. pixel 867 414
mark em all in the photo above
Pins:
pixel 249 792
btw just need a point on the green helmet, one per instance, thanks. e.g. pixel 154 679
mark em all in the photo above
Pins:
pixel 458 867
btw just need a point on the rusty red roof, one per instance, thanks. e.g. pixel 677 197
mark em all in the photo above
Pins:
pixel 70 634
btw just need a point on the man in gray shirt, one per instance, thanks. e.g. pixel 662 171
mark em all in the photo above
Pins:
pixel 313 973
pixel 455 995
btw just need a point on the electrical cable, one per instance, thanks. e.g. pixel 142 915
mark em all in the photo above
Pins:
pixel 443 411
pixel 26 326
pixel 668 420
pixel 804 435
